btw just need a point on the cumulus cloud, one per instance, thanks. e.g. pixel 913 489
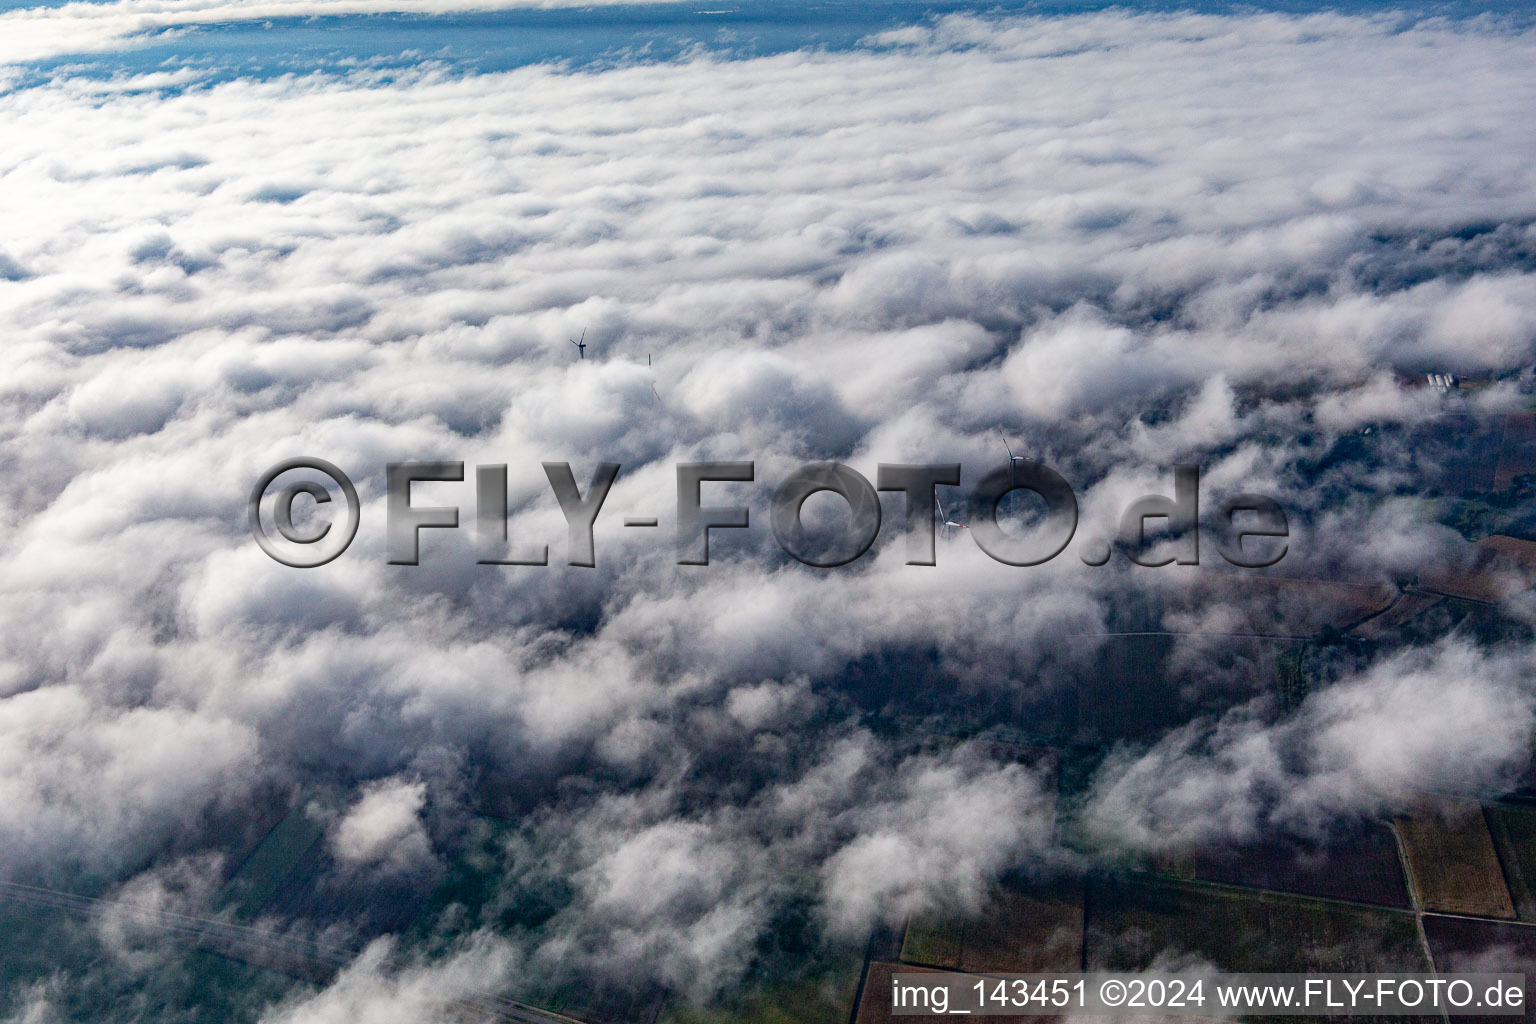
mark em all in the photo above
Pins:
pixel 36 1004
pixel 1366 745
pixel 376 990
pixel 669 877
pixel 889 254
pixel 88 786
pixel 131 924
pixel 951 832
pixel 384 828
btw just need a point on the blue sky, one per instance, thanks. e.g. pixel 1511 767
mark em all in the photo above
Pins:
pixel 496 40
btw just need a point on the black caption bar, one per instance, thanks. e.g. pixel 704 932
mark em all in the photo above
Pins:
pixel 941 994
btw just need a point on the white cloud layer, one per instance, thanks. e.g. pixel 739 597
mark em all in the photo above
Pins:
pixel 1123 240
pixel 1369 745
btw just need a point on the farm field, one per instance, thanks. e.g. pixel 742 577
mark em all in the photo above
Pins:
pixel 1281 607
pixel 1459 944
pixel 1022 929
pixel 1517 453
pixel 274 860
pixel 1487 572
pixel 581 1001
pixel 1479 443
pixel 933 940
pixel 1026 931
pixel 1514 837
pixel 1361 868
pixel 1128 692
pixel 1132 921
pixel 63 943
pixel 824 996
pixel 1403 610
pixel 875 1006
pixel 1453 862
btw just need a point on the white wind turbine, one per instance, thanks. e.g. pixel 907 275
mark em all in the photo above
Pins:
pixel 945 523
pixel 1013 460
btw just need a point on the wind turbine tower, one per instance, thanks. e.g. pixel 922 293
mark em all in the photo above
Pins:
pixel 945 523
pixel 1013 460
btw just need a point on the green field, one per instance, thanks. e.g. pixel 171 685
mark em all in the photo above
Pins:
pixel 932 939
pixel 258 879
